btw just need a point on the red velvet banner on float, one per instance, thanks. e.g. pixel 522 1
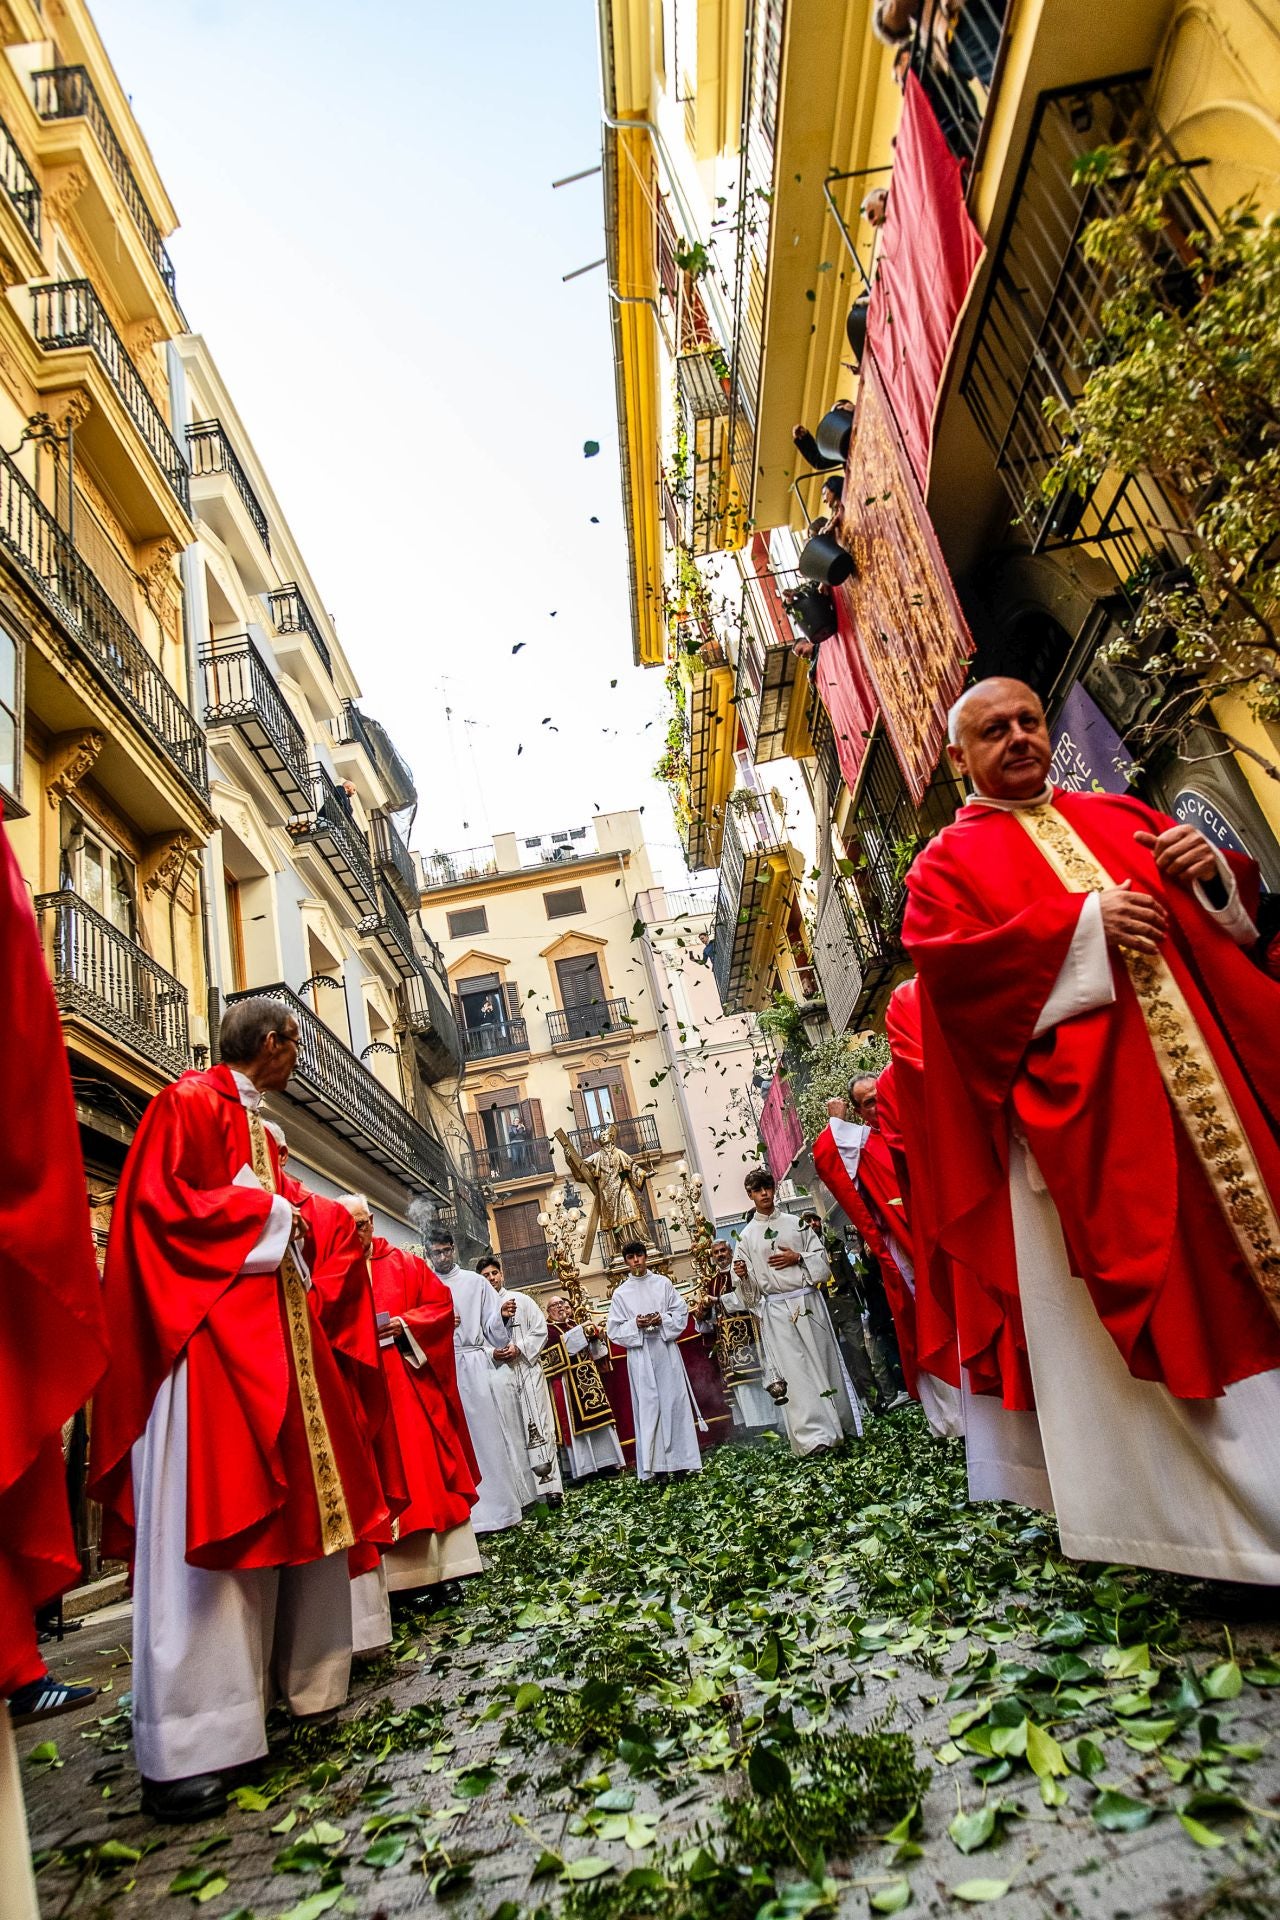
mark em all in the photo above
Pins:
pixel 927 255
pixel 901 607
pixel 780 1127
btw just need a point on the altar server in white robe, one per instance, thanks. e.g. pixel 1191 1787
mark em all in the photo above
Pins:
pixel 519 1333
pixel 504 1471
pixel 782 1270
pixel 647 1317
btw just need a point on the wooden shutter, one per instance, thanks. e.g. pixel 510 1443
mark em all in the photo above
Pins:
pixel 518 1226
pixel 475 1127
pixel 531 1113
pixel 581 984
pixel 580 1106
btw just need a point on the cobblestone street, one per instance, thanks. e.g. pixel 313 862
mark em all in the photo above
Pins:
pixel 615 1719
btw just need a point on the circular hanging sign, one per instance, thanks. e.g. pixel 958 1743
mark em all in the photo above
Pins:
pixel 1197 811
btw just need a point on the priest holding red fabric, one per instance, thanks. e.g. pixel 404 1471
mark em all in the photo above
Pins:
pixel 230 1459
pixel 52 1343
pixel 1101 1068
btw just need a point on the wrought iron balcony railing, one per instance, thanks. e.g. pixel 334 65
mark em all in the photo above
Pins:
pixel 567 1024
pixel 292 615
pixel 349 730
pixel 395 862
pixel 853 956
pixel 754 835
pixel 210 451
pixel 509 1034
pixel 68 313
pixel 452 869
pixel 524 1266
pixel 430 1018
pixel 331 826
pixel 19 183
pixel 45 555
pixel 390 927
pixel 342 1092
pixel 467 1218
pixel 106 978
pixel 528 1159
pixel 610 1241
pixel 770 677
pixel 67 93
pixel 637 1134
pixel 239 691
pixel 955 54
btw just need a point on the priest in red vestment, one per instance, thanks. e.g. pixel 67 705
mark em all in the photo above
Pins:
pixel 229 1456
pixel 415 1316
pixel 1102 1068
pixel 52 1336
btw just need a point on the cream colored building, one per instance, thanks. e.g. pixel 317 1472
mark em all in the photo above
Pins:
pixel 561 1024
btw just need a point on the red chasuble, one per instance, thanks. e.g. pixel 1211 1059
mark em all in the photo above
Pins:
pixel 989 923
pixel 434 1441
pixel 869 1219
pixel 52 1337
pixel 278 1471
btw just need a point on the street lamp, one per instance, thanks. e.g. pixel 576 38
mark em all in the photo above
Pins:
pixel 562 1225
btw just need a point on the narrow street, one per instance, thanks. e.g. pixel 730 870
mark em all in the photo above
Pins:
pixel 620 1717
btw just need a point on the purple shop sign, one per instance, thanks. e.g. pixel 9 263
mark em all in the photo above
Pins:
pixel 1088 754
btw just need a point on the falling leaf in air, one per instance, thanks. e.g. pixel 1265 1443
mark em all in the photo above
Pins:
pixel 590 448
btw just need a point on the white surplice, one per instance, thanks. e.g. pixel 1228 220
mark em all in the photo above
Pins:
pixel 1133 1474
pixel 504 1473
pixel 667 1417
pixel 796 1334
pixel 596 1451
pixel 213 1649
pixel 527 1332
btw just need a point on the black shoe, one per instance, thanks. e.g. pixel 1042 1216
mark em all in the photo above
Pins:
pixel 45 1698
pixel 201 1797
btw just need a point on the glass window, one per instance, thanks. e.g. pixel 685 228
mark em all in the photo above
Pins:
pixel 10 716
pixel 467 920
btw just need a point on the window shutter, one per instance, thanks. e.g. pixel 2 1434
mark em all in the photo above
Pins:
pixel 579 1109
pixel 475 1127
pixel 532 1112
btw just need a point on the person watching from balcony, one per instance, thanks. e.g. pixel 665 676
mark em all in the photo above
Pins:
pixel 807 446
pixel 230 1458
pixel 875 207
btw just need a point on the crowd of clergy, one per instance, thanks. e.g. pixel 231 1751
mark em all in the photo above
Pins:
pixel 1063 1192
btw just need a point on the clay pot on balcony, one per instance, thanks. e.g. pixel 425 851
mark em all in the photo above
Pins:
pixel 855 327
pixel 812 613
pixel 825 561
pixel 832 436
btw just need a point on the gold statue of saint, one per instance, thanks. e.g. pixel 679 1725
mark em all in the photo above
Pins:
pixel 614 1181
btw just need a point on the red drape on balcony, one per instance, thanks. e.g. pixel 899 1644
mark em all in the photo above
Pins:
pixel 907 625
pixel 780 1127
pixel 928 253
pixel 846 691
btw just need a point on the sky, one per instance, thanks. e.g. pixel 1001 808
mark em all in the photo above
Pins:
pixel 372 248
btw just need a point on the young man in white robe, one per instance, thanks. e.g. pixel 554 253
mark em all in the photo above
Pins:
pixel 520 1334
pixel 504 1471
pixel 782 1271
pixel 754 1408
pixel 647 1316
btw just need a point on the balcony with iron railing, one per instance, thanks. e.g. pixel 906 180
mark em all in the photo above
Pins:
pixel 772 685
pixel 467 1218
pixel 390 927
pixel 291 614
pixel 610 1241
pixel 853 955
pixel 455 869
pixel 240 691
pixel 430 1018
pixel 568 1025
pixel 511 1160
pixel 349 729
pixel 490 1040
pixel 45 555
pixel 956 54
pixel 525 1266
pixel 756 870
pixel 331 827
pixel 67 314
pixel 635 1133
pixel 19 183
pixel 68 93
pixel 340 1091
pixel 102 977
pixel 211 452
pixel 395 862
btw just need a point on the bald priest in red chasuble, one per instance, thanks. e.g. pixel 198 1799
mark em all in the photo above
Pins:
pixel 230 1454
pixel 1102 1065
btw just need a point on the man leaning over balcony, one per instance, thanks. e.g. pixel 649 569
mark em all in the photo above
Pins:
pixel 231 1464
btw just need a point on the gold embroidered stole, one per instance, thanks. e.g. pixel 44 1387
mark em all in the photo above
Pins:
pixel 335 1521
pixel 1187 1067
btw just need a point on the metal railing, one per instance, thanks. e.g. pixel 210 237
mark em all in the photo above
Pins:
pixel 45 555
pixel 240 691
pixel 525 1266
pixel 349 1099
pixel 956 53
pixel 492 1038
pixel 100 973
pixel 430 1018
pixel 395 859
pixel 636 1133
pixel 19 183
pixel 690 900
pixel 292 615
pixel 611 1241
pixel 467 1216
pixel 452 869
pixel 210 451
pixel 565 1024
pixel 349 730
pixel 768 671
pixel 68 313
pixel 891 829
pixel 753 831
pixel 389 925
pixel 528 1159
pixel 67 93
pixel 331 825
